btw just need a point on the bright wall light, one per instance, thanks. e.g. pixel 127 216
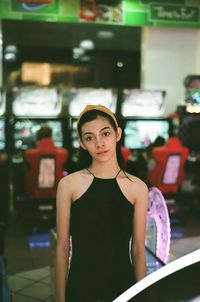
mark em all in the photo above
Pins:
pixel 87 44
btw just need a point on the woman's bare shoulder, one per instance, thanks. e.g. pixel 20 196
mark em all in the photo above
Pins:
pixel 140 184
pixel 73 178
pixel 138 188
pixel 74 184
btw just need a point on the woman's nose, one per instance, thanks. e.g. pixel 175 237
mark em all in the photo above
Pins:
pixel 99 142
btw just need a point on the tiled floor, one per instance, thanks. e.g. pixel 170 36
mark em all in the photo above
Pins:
pixel 33 285
pixel 29 257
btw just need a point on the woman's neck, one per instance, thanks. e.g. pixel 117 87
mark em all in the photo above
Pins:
pixel 107 169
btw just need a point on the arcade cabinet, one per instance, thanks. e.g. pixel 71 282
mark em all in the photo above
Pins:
pixel 32 107
pixel 44 170
pixel 4 198
pixel 4 173
pixel 189 135
pixel 168 172
pixel 139 134
pixel 4 201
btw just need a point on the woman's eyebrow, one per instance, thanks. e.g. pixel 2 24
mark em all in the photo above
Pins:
pixel 86 133
pixel 104 128
pixel 90 132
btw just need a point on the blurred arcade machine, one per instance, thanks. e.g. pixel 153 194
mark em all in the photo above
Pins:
pixel 78 99
pixel 31 108
pixel 2 120
pixel 143 121
pixel 142 112
pixel 4 199
pixel 4 173
pixel 189 125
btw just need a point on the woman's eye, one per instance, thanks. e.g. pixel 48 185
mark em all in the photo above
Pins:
pixel 88 138
pixel 107 133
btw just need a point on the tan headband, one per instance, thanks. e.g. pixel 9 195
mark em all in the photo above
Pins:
pixel 99 108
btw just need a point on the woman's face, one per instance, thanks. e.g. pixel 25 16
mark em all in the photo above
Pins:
pixel 99 138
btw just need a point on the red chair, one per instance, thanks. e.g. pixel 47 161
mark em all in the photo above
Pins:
pixel 168 173
pixel 45 169
pixel 126 152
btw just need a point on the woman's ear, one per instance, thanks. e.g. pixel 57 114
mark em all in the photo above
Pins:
pixel 81 143
pixel 119 133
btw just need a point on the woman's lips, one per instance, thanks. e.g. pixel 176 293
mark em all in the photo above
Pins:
pixel 102 152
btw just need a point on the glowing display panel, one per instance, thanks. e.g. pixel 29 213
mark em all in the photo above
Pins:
pixel 25 133
pixel 75 143
pixel 139 134
pixel 2 103
pixel 142 103
pixel 46 178
pixel 79 98
pixel 37 102
pixel 172 169
pixel 2 134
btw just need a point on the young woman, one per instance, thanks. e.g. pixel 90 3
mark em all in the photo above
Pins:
pixel 101 207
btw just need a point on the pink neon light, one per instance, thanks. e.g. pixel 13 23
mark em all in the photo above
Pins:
pixel 157 210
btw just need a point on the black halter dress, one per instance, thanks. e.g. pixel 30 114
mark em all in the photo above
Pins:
pixel 101 228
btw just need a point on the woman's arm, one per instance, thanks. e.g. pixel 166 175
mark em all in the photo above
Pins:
pixel 63 204
pixel 139 231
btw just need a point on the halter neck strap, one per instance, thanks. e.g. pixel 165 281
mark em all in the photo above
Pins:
pixel 90 172
pixel 108 178
pixel 118 172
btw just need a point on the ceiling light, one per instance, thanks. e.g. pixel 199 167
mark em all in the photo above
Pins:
pixel 104 34
pixel 87 44
pixel 78 51
pixel 85 58
pixel 120 64
pixel 11 48
pixel 10 53
pixel 10 56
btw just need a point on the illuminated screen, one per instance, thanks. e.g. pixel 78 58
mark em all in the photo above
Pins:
pixel 142 103
pixel 74 137
pixel 2 134
pixel 37 102
pixel 79 98
pixel 193 96
pixel 46 178
pixel 192 99
pixel 172 169
pixel 25 132
pixel 2 103
pixel 139 134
